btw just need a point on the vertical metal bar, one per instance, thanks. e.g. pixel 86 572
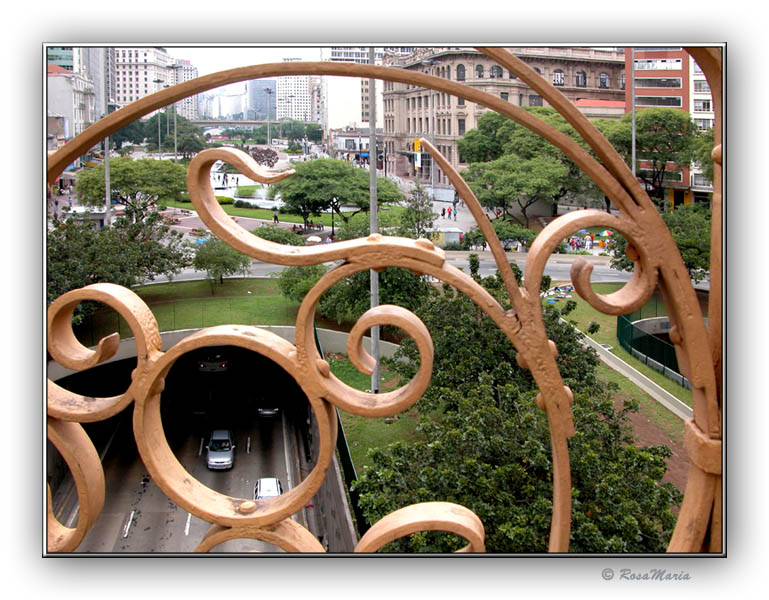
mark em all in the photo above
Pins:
pixel 373 218
pixel 632 101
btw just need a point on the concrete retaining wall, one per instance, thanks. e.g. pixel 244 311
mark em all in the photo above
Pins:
pixel 330 341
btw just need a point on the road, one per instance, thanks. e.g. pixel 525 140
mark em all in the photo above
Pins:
pixel 558 267
pixel 139 518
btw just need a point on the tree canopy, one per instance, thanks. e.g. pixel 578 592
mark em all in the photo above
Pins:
pixel 218 259
pixel 664 137
pixel 327 184
pixel 511 167
pixel 690 227
pixel 141 185
pixel 485 444
pixel 126 253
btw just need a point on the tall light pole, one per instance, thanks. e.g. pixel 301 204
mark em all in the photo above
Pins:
pixel 157 113
pixel 373 225
pixel 269 93
pixel 632 100
pixel 431 126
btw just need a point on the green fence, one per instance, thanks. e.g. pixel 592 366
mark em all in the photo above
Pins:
pixel 646 347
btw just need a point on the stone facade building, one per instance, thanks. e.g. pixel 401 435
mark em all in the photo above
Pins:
pixel 412 111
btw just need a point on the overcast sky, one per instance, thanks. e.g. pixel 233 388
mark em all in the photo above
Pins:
pixel 343 92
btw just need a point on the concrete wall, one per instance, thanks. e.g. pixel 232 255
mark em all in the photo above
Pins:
pixel 331 342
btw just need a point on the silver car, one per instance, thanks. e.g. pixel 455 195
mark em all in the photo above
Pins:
pixel 267 487
pixel 220 451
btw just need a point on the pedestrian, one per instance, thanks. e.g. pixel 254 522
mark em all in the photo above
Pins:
pixel 275 216
pixel 443 213
pixel 455 214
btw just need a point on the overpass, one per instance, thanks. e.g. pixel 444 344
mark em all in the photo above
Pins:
pixel 240 122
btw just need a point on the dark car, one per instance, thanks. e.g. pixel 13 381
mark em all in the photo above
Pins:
pixel 213 363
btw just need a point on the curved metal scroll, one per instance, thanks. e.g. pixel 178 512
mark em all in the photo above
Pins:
pixel 657 264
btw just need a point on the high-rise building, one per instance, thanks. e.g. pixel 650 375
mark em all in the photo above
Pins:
pixel 183 71
pixel 141 72
pixel 262 98
pixel 668 76
pixel 293 96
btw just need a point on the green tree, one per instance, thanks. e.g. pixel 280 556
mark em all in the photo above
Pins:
pixel 690 227
pixel 417 216
pixel 218 259
pixel 497 136
pixel 279 235
pixel 703 148
pixel 665 137
pixel 328 184
pixel 512 184
pixel 485 445
pixel 141 185
pixel 126 253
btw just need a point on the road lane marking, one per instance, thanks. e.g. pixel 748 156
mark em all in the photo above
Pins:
pixel 248 445
pixel 200 448
pixel 187 526
pixel 128 524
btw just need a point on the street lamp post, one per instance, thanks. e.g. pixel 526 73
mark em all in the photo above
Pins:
pixel 373 225
pixel 157 114
pixel 269 93
pixel 430 63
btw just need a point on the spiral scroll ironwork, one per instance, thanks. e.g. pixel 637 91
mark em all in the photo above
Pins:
pixel 657 265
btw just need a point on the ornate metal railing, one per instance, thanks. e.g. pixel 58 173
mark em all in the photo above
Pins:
pixel 658 265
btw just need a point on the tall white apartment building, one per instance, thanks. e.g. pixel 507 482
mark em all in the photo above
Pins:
pixel 701 109
pixel 141 72
pixel 294 96
pixel 183 71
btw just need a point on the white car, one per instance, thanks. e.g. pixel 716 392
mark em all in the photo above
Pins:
pixel 267 487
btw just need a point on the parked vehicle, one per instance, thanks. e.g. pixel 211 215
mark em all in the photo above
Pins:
pixel 267 487
pixel 220 450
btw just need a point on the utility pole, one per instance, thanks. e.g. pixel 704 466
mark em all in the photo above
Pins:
pixel 107 186
pixel 373 224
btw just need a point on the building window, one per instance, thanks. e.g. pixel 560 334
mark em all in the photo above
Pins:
pixel 581 79
pixel 658 101
pixel 703 124
pixel 622 81
pixel 603 80
pixel 702 106
pixel 658 64
pixel 558 77
pixel 479 72
pixel 460 126
pixel 535 100
pixel 701 86
pixel 658 82
pixel 495 72
pixel 504 96
pixel 460 72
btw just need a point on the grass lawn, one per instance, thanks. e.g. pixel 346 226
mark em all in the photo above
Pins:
pixel 607 334
pixel 363 433
pixel 266 214
pixel 192 305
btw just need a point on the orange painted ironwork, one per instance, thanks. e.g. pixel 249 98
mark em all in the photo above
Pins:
pixel 658 264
